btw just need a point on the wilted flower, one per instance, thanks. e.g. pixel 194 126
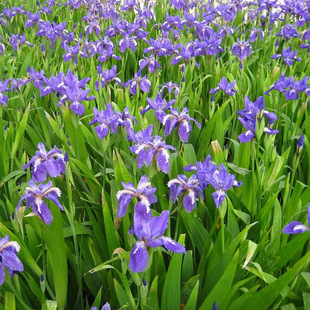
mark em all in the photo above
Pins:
pixel 297 227
pixel 191 188
pixel 150 231
pixel 222 181
pixel 34 197
pixel 144 193
pixel 46 164
pixel 8 257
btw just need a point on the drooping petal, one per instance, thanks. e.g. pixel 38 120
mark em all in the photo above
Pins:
pixel 123 202
pixel 139 257
pixel 218 197
pixel 189 201
pixel 52 167
pixel 173 246
pixel 2 274
pixel 11 261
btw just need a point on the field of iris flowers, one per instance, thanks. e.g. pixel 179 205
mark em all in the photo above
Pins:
pixel 154 155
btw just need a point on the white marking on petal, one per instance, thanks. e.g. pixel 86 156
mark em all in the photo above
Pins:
pixel 173 181
pixel 122 192
pixel 14 244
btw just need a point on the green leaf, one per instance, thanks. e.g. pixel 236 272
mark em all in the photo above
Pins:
pixel 223 285
pixel 9 301
pixel 192 301
pixel 265 297
pixel 171 297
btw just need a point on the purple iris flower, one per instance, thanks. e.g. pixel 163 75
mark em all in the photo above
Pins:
pixel 161 47
pixel 106 306
pixel 204 171
pixel 76 95
pixel 288 56
pixel 159 105
pixel 143 82
pixel 8 257
pixel 17 84
pixel 44 164
pixel 295 88
pixel 127 120
pixel 72 52
pixel 16 40
pixel 297 227
pixel 180 120
pixel 209 46
pixel 178 4
pixel 32 19
pixel 187 52
pixel 36 77
pixel 242 49
pixel 151 63
pixel 171 87
pixel 288 31
pixel 254 33
pixel 108 121
pixel 147 148
pixel 150 231
pixel 2 48
pixel 191 188
pixel 281 84
pixel 93 26
pixel 107 76
pixel 3 88
pixel 300 143
pixel 222 181
pixel 252 114
pixel 127 42
pixel 34 197
pixel 51 31
pixel 144 193
pixel 227 88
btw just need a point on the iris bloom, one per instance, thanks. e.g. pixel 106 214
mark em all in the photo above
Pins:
pixel 108 121
pixel 191 187
pixel 297 227
pixel 253 113
pixel 34 197
pixel 144 193
pixel 242 49
pixel 147 148
pixel 159 105
pixel 8 257
pixel 227 88
pixel 150 231
pixel 46 164
pixel 222 181
pixel 180 120
pixel 203 170
pixel 288 56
